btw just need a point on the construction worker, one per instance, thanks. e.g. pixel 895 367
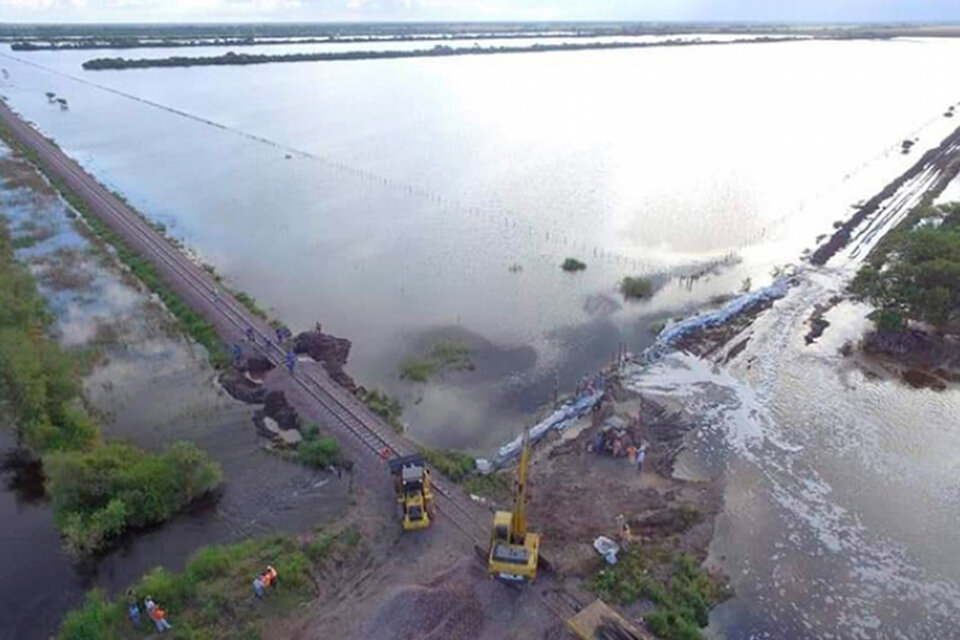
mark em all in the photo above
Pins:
pixel 258 586
pixel 159 617
pixel 641 454
pixel 133 609
pixel 271 576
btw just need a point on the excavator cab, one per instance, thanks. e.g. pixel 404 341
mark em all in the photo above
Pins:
pixel 514 551
pixel 414 491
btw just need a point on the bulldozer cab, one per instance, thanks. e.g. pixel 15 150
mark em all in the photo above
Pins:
pixel 414 492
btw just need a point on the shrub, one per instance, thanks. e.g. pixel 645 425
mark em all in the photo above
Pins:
pixel 317 450
pixel 390 409
pixel 455 465
pixel 683 598
pixel 636 287
pixel 888 320
pixel 97 494
pixel 571 265
pixel 210 598
pixel 917 276
pixel 97 619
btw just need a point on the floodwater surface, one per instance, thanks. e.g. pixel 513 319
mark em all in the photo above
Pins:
pixel 389 200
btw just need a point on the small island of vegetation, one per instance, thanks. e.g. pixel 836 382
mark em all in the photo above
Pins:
pixel 636 287
pixel 445 355
pixel 571 265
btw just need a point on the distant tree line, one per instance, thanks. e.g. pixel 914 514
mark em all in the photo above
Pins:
pixel 232 58
pixel 67 32
pixel 135 42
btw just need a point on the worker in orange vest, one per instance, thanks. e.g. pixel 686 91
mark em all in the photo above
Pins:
pixel 159 617
pixel 270 576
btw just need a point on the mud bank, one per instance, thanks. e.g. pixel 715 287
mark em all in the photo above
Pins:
pixel 920 358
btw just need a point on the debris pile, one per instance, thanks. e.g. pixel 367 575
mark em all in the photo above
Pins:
pixel 328 350
pixel 278 420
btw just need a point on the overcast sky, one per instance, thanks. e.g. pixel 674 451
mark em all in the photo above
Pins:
pixel 468 10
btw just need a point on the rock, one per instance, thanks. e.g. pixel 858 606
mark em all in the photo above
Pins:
pixel 817 326
pixel 328 350
pixel 242 388
pixel 268 427
pixel 256 365
pixel 275 406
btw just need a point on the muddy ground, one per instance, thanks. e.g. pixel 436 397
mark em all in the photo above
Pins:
pixel 921 359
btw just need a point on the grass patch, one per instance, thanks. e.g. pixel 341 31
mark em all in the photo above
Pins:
pixel 212 598
pixel 417 370
pixel 455 465
pixel 97 494
pixel 317 450
pixel 682 592
pixel 494 486
pixel 636 287
pixel 250 303
pixel 572 265
pixel 444 355
pixel 390 409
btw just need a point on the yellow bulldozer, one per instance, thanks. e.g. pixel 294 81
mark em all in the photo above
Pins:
pixel 414 491
pixel 514 551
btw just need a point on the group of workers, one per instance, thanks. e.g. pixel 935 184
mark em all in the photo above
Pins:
pixel 619 445
pixel 154 612
pixel 261 584
pixel 290 357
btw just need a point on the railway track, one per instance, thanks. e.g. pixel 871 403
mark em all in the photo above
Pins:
pixel 235 322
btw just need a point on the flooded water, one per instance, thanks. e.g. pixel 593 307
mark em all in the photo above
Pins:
pixel 412 187
pixel 840 487
pixel 152 388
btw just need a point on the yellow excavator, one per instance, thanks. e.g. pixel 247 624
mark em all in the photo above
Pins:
pixel 414 491
pixel 514 551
